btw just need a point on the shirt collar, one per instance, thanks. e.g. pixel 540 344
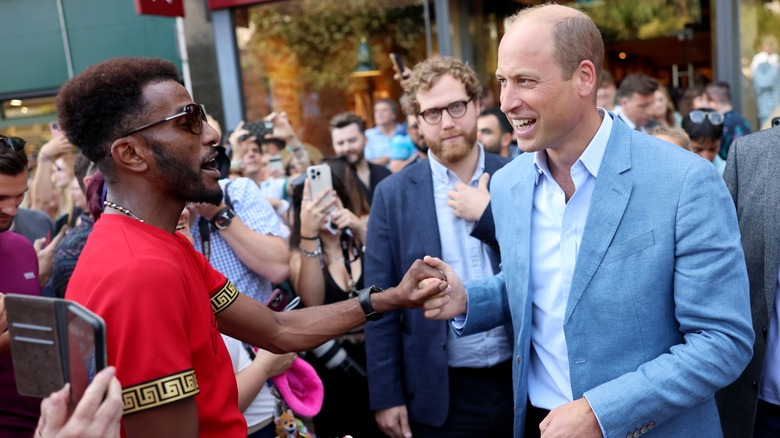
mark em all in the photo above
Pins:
pixel 442 173
pixel 592 156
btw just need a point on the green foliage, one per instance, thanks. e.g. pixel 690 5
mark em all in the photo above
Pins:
pixel 324 34
pixel 621 20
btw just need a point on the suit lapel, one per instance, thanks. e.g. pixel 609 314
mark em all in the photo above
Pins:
pixel 771 220
pixel 422 206
pixel 610 197
pixel 522 194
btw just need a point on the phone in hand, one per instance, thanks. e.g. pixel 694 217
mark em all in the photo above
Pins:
pixel 320 180
pixel 54 127
pixel 258 129
pixel 54 342
pixel 399 65
pixel 275 163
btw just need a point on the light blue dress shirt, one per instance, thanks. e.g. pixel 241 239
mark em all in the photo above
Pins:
pixel 470 258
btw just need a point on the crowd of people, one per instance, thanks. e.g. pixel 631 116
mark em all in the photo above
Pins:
pixel 560 265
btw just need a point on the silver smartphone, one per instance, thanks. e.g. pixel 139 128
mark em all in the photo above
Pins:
pixel 320 180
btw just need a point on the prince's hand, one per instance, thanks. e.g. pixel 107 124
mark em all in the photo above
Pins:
pixel 451 302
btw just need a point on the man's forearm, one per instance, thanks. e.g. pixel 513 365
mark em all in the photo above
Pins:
pixel 264 254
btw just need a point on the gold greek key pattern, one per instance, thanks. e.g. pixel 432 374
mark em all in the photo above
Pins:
pixel 224 298
pixel 161 391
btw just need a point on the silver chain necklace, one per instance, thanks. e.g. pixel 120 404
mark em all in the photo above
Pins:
pixel 123 210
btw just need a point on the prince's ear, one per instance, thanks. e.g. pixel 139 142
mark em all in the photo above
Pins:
pixel 131 154
pixel 586 74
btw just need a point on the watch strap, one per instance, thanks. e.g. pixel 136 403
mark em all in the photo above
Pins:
pixel 364 298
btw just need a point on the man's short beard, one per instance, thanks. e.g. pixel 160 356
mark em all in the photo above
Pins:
pixel 180 180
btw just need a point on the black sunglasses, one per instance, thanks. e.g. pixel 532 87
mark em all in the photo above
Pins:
pixel 195 114
pixel 15 143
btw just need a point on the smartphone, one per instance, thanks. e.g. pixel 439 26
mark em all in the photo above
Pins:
pixel 258 129
pixel 275 163
pixel 320 180
pixel 54 127
pixel 54 342
pixel 399 65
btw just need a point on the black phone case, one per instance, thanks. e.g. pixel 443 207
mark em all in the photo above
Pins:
pixel 38 329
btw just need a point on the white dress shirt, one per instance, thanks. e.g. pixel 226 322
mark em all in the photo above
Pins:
pixel 770 380
pixel 556 233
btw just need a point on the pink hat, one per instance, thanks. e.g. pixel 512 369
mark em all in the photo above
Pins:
pixel 301 388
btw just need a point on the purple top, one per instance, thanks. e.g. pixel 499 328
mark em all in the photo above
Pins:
pixel 18 274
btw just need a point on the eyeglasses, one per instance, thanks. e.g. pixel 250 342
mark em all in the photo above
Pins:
pixel 195 114
pixel 456 110
pixel 697 116
pixel 15 143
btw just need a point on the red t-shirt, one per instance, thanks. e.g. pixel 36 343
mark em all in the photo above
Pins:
pixel 156 294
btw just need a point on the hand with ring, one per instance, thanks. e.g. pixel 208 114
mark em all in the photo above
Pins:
pixel 344 218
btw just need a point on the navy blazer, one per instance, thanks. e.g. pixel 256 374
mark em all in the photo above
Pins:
pixel 407 354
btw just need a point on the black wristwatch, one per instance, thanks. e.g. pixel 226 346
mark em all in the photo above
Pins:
pixel 222 219
pixel 364 297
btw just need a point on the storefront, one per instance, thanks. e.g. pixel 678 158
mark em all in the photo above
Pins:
pixel 301 56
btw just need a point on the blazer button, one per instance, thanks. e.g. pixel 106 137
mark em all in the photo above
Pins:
pixel 518 359
pixel 644 429
pixel 443 346
pixel 754 384
pixel 630 435
pixel 651 425
pixel 637 433
pixel 763 330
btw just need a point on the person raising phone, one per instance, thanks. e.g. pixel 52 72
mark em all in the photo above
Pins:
pixel 326 266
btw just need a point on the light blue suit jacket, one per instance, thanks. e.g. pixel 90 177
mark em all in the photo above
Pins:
pixel 658 316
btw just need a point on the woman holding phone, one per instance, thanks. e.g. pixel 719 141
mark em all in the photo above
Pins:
pixel 326 266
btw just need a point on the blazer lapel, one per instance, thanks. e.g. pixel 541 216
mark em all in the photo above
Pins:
pixel 610 197
pixel 522 194
pixel 423 207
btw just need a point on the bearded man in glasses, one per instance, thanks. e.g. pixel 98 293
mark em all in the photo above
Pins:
pixel 161 300
pixel 421 378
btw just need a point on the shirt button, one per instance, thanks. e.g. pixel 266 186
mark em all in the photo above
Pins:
pixel 487 333
pixel 568 234
pixel 473 263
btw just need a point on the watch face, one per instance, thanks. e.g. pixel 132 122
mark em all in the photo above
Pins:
pixel 221 221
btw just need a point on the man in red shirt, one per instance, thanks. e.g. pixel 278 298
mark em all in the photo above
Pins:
pixel 162 302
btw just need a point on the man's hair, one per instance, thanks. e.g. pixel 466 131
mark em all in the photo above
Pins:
pixel 681 137
pixel 703 129
pixel 12 162
pixel 606 78
pixel 348 118
pixel 278 142
pixel 391 102
pixel 575 38
pixel 638 83
pixel 105 100
pixel 426 73
pixel 503 122
pixel 720 91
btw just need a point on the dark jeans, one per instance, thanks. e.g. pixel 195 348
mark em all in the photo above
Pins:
pixel 533 416
pixel 481 404
pixel 767 420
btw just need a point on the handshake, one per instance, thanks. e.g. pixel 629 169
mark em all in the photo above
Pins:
pixel 433 285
